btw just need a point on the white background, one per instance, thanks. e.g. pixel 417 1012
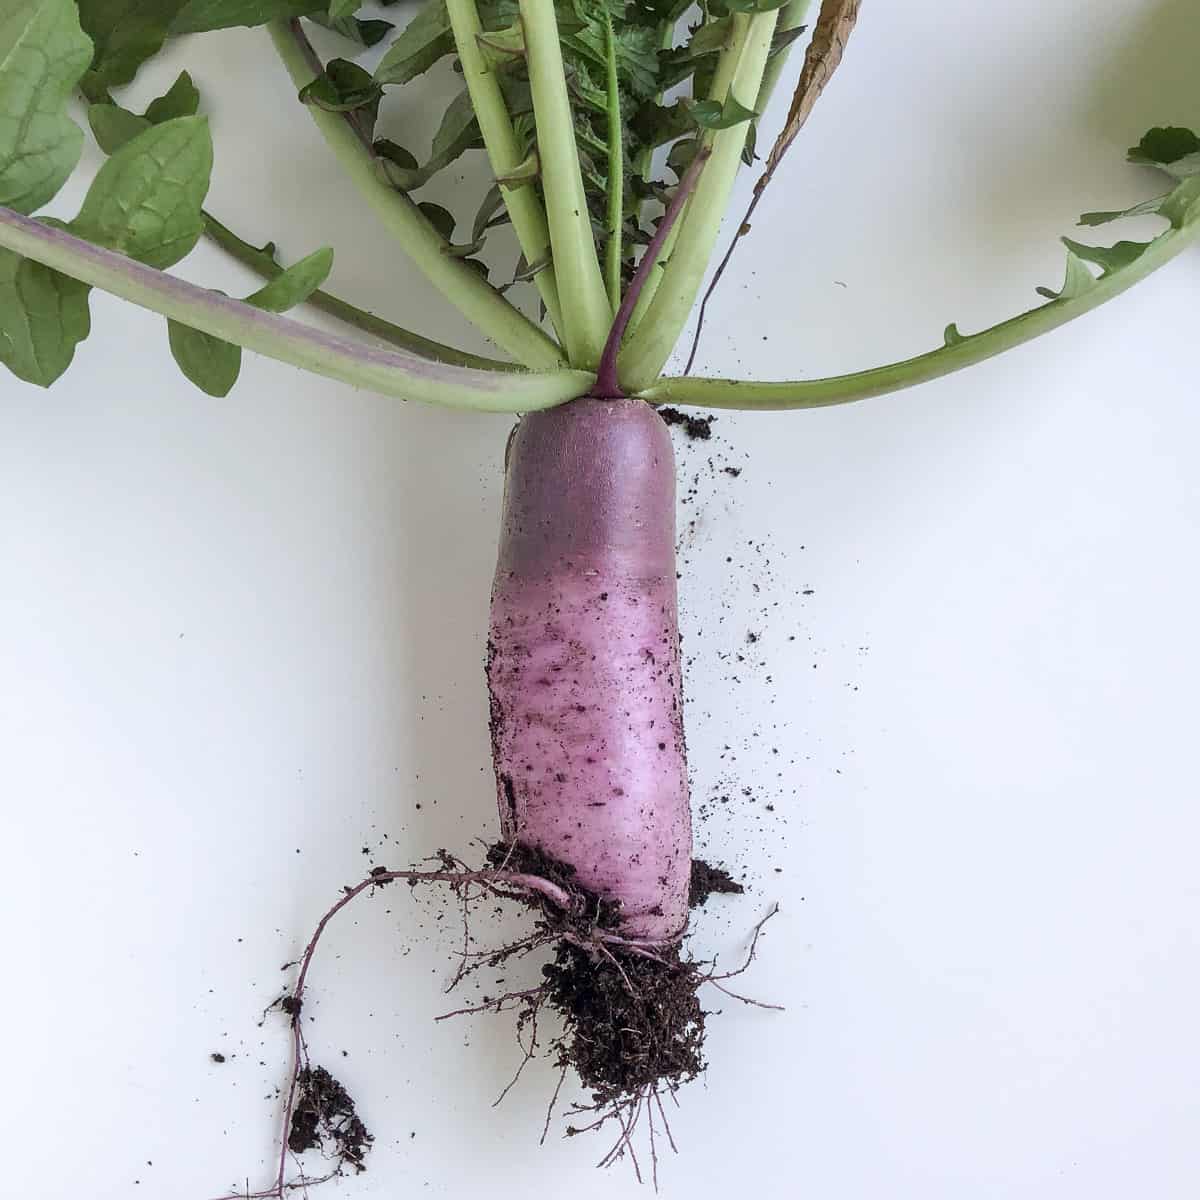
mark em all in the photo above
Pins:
pixel 240 640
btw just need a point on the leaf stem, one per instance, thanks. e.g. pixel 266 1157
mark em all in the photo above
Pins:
pixel 717 90
pixel 524 207
pixel 386 371
pixel 791 16
pixel 263 262
pixel 616 174
pixel 954 356
pixel 651 343
pixel 729 58
pixel 478 301
pixel 607 384
pixel 585 309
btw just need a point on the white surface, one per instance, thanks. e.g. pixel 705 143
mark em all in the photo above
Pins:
pixel 240 640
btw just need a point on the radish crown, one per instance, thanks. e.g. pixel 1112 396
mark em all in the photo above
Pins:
pixel 586 109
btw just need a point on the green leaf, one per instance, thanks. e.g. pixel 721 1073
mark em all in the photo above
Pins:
pixel 145 200
pixel 294 285
pixel 113 126
pixel 501 46
pixel 478 266
pixel 1079 279
pixel 397 165
pixel 783 38
pixel 199 16
pixel 395 153
pixel 211 364
pixel 1175 150
pixel 588 92
pixel 1178 206
pixel 43 317
pixel 1147 208
pixel 43 54
pixel 710 38
pixel 458 121
pixel 707 40
pixel 636 51
pixel 340 9
pixel 181 100
pixel 344 87
pixel 422 42
pixel 364 33
pixel 750 149
pixel 1107 258
pixel 458 132
pixel 440 218
pixel 126 33
pixel 712 114
pixel 491 212
pixel 657 124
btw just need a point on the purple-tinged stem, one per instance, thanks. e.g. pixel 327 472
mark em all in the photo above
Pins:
pixel 607 385
pixel 348 360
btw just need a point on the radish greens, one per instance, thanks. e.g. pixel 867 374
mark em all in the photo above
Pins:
pixel 574 102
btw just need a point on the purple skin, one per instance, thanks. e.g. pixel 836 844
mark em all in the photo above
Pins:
pixel 583 658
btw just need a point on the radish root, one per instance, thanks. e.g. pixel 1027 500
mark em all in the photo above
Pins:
pixel 632 1024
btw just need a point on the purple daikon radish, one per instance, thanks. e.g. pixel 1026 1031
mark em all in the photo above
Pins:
pixel 583 659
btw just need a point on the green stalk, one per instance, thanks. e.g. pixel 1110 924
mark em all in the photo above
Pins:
pixel 616 175
pixel 730 57
pixel 651 343
pixel 586 311
pixel 284 339
pixel 263 263
pixel 722 77
pixel 460 284
pixel 523 204
pixel 791 16
pixel 957 354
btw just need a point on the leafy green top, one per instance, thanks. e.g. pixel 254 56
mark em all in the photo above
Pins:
pixel 144 206
pixel 647 66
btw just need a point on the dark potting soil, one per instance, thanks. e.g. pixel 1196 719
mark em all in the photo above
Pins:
pixel 631 1024
pixel 698 429
pixel 631 1021
pixel 324 1118
pixel 708 879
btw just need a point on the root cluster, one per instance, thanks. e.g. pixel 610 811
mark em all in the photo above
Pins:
pixel 629 1019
